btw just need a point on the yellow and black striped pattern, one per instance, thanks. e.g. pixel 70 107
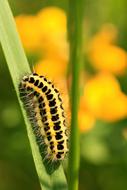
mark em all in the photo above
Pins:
pixel 44 107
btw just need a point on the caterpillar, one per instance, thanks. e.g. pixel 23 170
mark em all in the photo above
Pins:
pixel 44 107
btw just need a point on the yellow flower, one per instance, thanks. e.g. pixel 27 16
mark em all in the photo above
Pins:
pixel 109 58
pixel 45 32
pixel 53 20
pixel 52 68
pixel 29 32
pixel 86 120
pixel 105 56
pixel 104 99
pixel 53 28
pixel 106 36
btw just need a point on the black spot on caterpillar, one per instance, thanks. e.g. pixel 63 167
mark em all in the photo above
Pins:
pixel 44 107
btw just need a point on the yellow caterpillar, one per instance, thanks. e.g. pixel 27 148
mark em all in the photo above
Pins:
pixel 44 108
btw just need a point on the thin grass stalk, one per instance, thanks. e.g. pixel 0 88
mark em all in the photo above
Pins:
pixel 75 39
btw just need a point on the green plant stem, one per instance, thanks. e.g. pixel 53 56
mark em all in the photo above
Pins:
pixel 75 38
pixel 18 67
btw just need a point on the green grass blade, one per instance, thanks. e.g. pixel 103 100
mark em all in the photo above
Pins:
pixel 75 38
pixel 18 67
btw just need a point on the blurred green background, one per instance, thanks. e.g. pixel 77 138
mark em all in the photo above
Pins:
pixel 103 149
